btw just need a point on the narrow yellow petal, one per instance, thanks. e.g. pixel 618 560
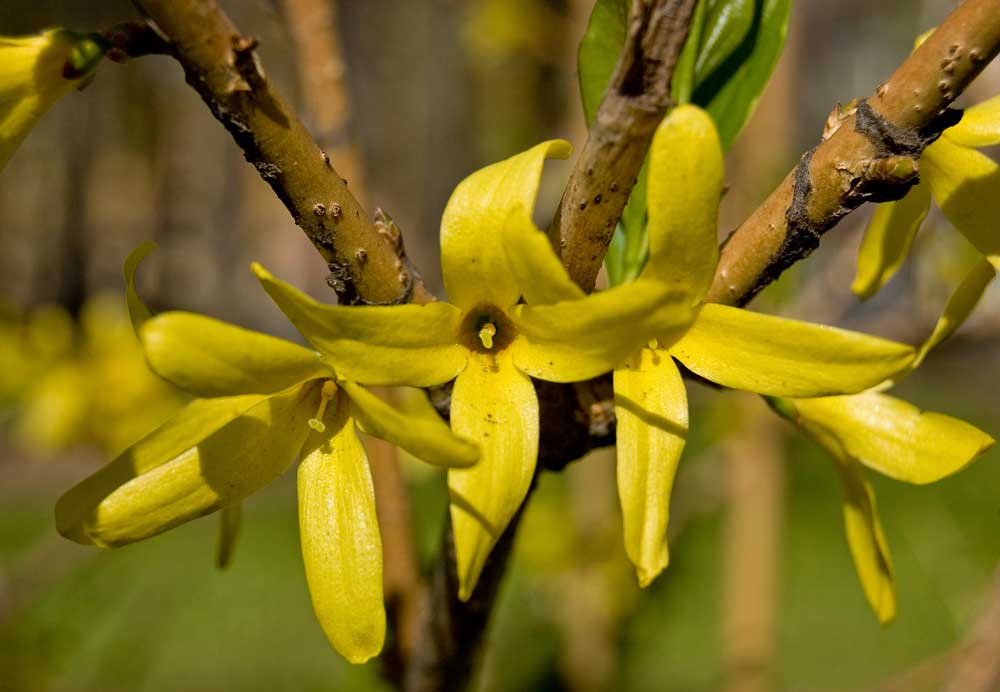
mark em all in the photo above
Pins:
pixel 887 240
pixel 959 307
pixel 575 340
pixel 341 544
pixel 651 407
pixel 536 268
pixel 979 127
pixel 137 310
pixel 865 537
pixel 682 197
pixel 412 345
pixel 894 437
pixel 866 541
pixel 494 405
pixel 473 261
pixel 32 79
pixel 429 440
pixel 173 475
pixel 230 518
pixel 209 358
pixel 781 357
pixel 964 183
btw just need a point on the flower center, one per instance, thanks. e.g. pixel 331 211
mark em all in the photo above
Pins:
pixel 326 394
pixel 486 329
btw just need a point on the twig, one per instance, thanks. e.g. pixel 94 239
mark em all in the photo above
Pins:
pixel 452 638
pixel 868 154
pixel 366 265
pixel 634 104
pixel 752 545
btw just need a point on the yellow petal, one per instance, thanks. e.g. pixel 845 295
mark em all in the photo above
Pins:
pixel 209 358
pixel 959 307
pixel 894 437
pixel 979 127
pixel 137 310
pixel 865 537
pixel 964 184
pixel 683 194
pixel 473 261
pixel 651 407
pixel 887 240
pixel 781 357
pixel 175 475
pixel 429 440
pixel 341 545
pixel 230 518
pixel 575 340
pixel 866 541
pixel 534 264
pixel 412 345
pixel 31 81
pixel 494 405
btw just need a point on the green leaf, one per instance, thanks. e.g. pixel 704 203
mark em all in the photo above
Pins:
pixel 731 89
pixel 629 247
pixel 599 51
pixel 727 23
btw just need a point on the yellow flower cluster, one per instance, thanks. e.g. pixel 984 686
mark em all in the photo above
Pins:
pixel 260 403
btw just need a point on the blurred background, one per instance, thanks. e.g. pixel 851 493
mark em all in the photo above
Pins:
pixel 760 594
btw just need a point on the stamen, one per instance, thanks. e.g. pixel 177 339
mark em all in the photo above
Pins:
pixel 329 389
pixel 654 343
pixel 487 333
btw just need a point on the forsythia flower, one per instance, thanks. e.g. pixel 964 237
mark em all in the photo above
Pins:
pixel 961 180
pixel 262 402
pixel 35 72
pixel 894 438
pixel 488 342
pixel 730 346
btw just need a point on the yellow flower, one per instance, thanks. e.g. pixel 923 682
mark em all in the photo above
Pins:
pixel 262 402
pixel 896 439
pixel 488 342
pixel 35 72
pixel 732 347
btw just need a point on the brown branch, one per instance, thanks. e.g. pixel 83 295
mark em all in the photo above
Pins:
pixel 633 105
pixel 868 154
pixel 366 265
pixel 454 632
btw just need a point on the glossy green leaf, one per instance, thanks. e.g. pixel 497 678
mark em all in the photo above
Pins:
pixel 731 91
pixel 210 358
pixel 599 51
pixel 727 24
